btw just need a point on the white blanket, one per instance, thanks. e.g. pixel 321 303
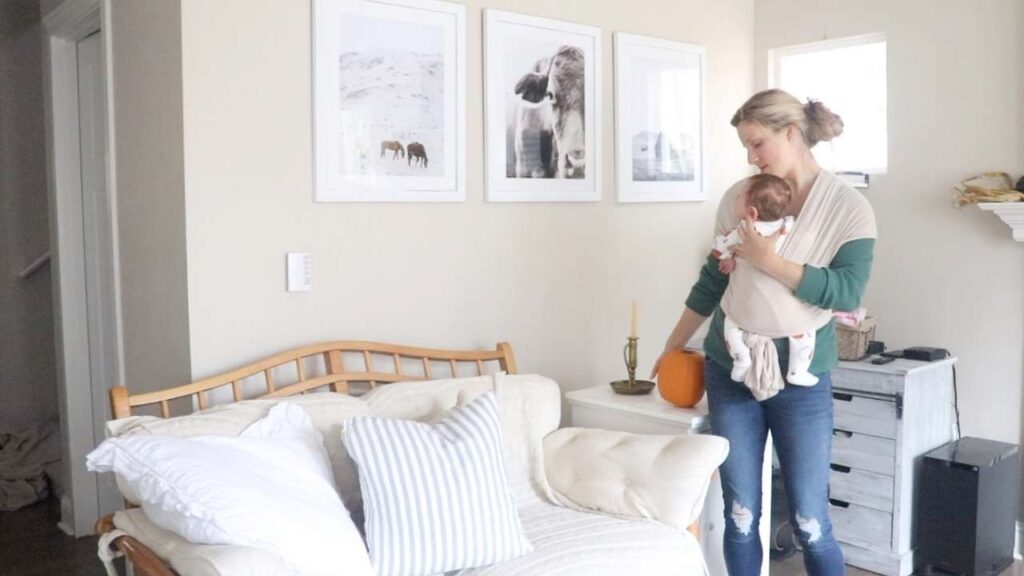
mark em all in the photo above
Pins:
pixel 24 456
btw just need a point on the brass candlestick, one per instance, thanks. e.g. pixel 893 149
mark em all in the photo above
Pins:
pixel 632 385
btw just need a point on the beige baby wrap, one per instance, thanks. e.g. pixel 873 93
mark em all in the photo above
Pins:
pixel 833 215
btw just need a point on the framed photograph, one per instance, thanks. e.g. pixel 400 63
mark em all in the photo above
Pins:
pixel 389 90
pixel 659 120
pixel 542 108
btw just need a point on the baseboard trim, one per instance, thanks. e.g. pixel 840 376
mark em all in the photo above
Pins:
pixel 67 516
pixel 1017 540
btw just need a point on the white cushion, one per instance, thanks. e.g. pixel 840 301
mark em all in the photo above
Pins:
pixel 663 478
pixel 436 496
pixel 271 488
pixel 571 543
pixel 191 559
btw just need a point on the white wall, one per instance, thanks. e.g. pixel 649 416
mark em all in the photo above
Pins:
pixel 150 192
pixel 554 279
pixel 28 378
pixel 942 276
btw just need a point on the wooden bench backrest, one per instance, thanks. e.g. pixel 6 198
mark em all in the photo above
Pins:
pixel 341 366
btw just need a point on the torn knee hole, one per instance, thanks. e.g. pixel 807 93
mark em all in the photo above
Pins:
pixel 742 517
pixel 809 526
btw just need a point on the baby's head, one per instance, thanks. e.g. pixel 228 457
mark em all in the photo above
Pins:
pixel 766 198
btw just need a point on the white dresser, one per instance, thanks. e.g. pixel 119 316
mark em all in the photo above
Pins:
pixel 600 407
pixel 885 418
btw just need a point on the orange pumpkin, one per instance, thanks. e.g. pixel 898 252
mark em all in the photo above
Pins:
pixel 681 378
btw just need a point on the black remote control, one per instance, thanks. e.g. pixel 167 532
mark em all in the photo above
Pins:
pixel 883 360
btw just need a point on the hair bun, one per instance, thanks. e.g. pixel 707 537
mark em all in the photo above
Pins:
pixel 822 123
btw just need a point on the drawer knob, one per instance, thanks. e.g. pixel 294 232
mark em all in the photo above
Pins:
pixel 843 397
pixel 843 433
pixel 838 503
pixel 840 468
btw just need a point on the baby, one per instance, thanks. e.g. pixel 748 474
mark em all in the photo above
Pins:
pixel 764 202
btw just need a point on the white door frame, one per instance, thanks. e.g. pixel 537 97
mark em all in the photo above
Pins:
pixel 82 402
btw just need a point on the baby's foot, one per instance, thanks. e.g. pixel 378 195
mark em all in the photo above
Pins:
pixel 740 369
pixel 803 378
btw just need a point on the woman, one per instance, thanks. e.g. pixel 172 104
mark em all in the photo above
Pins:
pixel 824 263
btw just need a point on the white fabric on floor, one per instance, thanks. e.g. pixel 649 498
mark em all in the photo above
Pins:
pixel 24 456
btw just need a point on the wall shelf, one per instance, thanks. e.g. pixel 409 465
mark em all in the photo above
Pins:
pixel 1010 212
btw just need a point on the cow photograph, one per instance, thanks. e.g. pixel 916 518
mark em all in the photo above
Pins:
pixel 546 110
pixel 542 101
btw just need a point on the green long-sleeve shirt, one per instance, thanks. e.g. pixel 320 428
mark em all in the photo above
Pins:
pixel 839 286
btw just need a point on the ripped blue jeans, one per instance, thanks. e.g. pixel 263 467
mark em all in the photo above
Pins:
pixel 800 420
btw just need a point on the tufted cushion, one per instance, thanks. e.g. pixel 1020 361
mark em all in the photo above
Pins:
pixel 664 478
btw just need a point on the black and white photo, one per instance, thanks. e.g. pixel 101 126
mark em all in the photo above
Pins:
pixel 659 119
pixel 542 109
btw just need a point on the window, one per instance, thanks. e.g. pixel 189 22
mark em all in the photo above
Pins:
pixel 848 76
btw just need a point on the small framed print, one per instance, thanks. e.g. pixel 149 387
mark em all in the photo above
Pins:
pixel 659 120
pixel 389 86
pixel 542 102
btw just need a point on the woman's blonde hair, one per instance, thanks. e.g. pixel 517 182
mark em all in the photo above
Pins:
pixel 776 109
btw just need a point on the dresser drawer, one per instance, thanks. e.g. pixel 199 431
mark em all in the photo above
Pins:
pixel 861 487
pixel 860 525
pixel 864 452
pixel 867 381
pixel 866 415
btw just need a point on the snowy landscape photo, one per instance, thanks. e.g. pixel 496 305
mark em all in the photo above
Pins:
pixel 659 120
pixel 389 90
pixel 391 97
pixel 665 120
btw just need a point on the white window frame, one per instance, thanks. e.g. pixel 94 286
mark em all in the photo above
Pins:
pixel 776 55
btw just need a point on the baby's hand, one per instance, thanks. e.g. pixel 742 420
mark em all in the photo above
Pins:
pixel 727 266
pixel 716 253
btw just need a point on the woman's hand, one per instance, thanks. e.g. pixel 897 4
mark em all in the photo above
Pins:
pixel 756 249
pixel 760 252
pixel 657 364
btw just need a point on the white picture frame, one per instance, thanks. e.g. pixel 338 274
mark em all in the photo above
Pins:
pixel 521 159
pixel 382 136
pixel 660 127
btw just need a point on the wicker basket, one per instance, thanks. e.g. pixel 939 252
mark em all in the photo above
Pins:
pixel 853 342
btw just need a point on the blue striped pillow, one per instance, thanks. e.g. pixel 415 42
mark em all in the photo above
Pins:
pixel 436 496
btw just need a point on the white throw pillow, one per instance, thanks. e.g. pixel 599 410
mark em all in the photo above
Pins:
pixel 436 496
pixel 271 487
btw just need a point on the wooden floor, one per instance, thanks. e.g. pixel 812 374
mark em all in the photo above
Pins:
pixel 32 545
pixel 794 566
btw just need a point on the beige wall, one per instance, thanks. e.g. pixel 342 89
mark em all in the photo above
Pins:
pixel 942 277
pixel 28 379
pixel 554 279
pixel 150 192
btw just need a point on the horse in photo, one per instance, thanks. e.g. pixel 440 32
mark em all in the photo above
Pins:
pixel 394 146
pixel 419 153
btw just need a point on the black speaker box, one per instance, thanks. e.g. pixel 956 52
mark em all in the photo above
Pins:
pixel 967 507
